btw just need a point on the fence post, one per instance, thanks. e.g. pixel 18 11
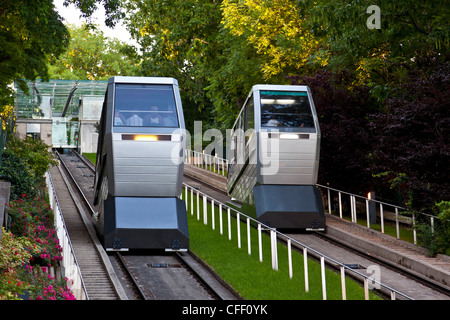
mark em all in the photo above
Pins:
pixel 324 285
pixel 273 247
pixel 220 219
pixel 260 243
pixel 340 205
pixel 367 213
pixel 205 210
pixel 238 221
pixel 229 224
pixel 382 217
pixel 305 264
pixel 192 201
pixel 396 223
pixel 249 240
pixel 198 206
pixel 289 257
pixel 366 289
pixel 213 218
pixel 329 201
pixel 344 294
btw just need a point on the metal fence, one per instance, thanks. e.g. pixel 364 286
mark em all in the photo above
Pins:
pixel 70 264
pixel 360 208
pixel 193 197
pixel 206 161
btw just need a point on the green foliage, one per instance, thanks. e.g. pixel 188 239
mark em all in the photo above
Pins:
pixel 92 56
pixel 30 33
pixel 16 171
pixel 24 163
pixel 34 152
pixel 436 238
pixel 408 29
pixel 13 255
pixel 113 9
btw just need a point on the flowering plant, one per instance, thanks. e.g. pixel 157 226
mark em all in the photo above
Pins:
pixel 28 249
pixel 33 218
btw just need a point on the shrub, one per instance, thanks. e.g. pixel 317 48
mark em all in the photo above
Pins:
pixel 13 255
pixel 33 218
pixel 24 163
pixel 16 171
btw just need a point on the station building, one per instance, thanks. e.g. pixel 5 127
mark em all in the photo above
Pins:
pixel 63 113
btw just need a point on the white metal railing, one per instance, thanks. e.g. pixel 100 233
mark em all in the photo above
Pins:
pixel 70 264
pixel 229 212
pixel 206 161
pixel 384 211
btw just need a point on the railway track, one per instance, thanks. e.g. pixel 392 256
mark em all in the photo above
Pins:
pixel 96 270
pixel 144 274
pixel 403 279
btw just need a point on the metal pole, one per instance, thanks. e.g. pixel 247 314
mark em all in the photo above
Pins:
pixel 213 219
pixel 198 206
pixel 229 224
pixel 205 210
pixel 249 242
pixel 220 219
pixel 344 294
pixel 396 223
pixel 238 221
pixel 367 213
pixel 260 243
pixel 192 201
pixel 366 289
pixel 289 257
pixel 273 247
pixel 305 264
pixel 324 285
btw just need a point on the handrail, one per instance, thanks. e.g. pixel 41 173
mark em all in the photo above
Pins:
pixel 70 263
pixel 381 205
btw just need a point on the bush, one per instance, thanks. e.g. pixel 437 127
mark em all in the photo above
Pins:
pixel 18 277
pixel 13 255
pixel 33 218
pixel 24 164
pixel 16 171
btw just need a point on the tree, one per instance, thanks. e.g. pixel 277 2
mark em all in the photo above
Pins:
pixel 30 33
pixel 113 9
pixel 408 29
pixel 276 30
pixel 92 56
pixel 179 39
pixel 412 150
pixel 343 110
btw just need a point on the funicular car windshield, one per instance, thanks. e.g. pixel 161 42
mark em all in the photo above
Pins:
pixel 145 105
pixel 286 109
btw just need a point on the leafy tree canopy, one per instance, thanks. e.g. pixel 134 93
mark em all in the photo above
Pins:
pixel 92 56
pixel 30 33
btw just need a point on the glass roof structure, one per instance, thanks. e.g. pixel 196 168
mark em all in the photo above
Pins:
pixel 56 98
